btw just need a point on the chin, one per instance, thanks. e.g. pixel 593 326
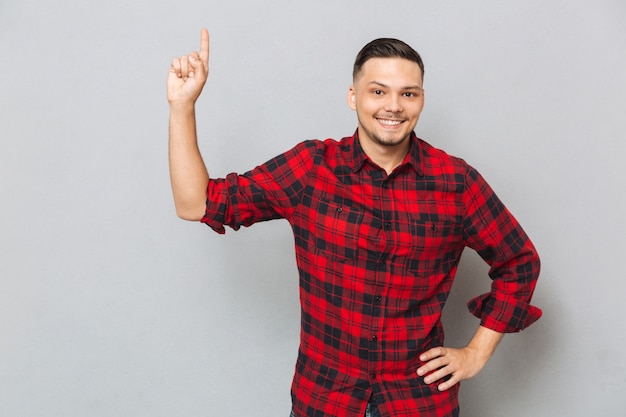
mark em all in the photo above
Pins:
pixel 391 141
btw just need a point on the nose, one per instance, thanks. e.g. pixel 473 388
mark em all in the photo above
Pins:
pixel 393 104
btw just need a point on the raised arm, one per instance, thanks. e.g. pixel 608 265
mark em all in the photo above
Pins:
pixel 188 174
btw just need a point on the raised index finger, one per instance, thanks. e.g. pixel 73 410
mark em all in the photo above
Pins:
pixel 204 46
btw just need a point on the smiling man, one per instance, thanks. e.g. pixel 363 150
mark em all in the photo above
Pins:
pixel 380 220
pixel 388 98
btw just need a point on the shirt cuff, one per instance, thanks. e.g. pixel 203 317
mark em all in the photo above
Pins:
pixel 215 225
pixel 503 313
pixel 213 213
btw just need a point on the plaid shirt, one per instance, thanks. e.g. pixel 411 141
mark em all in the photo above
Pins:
pixel 377 255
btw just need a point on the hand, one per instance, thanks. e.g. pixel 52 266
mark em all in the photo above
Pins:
pixel 188 74
pixel 461 364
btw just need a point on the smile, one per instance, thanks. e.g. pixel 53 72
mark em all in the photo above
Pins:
pixel 387 122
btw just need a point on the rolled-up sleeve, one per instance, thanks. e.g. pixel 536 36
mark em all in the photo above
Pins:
pixel 269 191
pixel 491 230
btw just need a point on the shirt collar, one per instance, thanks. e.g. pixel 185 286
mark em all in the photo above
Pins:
pixel 359 157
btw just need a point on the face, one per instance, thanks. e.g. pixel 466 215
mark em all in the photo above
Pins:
pixel 388 98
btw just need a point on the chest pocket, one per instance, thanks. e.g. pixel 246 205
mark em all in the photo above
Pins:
pixel 435 246
pixel 336 230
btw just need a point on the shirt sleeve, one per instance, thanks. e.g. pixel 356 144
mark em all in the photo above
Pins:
pixel 491 230
pixel 269 191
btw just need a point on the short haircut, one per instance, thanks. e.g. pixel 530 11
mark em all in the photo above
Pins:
pixel 386 48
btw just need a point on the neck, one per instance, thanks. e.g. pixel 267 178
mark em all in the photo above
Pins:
pixel 388 157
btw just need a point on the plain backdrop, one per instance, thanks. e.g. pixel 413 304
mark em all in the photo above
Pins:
pixel 112 306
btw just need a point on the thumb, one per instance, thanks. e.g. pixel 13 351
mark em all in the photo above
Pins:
pixel 197 66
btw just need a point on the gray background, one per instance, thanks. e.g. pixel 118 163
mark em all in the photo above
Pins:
pixel 111 306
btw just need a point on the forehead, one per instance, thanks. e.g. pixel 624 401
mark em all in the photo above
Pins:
pixel 396 70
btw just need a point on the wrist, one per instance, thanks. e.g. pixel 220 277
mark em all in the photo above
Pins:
pixel 182 106
pixel 484 343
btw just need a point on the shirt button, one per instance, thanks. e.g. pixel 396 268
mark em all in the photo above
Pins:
pixel 388 225
pixel 374 337
pixel 379 299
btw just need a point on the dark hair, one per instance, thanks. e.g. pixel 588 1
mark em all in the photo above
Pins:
pixel 386 48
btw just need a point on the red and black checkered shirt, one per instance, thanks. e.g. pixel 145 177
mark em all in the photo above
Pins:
pixel 377 255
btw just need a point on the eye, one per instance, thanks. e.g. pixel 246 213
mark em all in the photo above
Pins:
pixel 378 92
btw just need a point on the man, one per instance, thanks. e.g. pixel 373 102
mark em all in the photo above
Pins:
pixel 380 220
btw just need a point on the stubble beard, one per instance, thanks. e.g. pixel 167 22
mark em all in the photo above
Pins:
pixel 383 141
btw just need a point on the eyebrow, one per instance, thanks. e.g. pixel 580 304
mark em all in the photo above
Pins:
pixel 409 87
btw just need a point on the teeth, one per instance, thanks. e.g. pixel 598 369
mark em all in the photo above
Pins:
pixel 390 122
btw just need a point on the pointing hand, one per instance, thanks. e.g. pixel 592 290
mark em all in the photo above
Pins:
pixel 188 74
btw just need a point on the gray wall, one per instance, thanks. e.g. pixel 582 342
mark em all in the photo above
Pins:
pixel 111 306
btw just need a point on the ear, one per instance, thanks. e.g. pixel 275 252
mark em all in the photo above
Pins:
pixel 351 98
